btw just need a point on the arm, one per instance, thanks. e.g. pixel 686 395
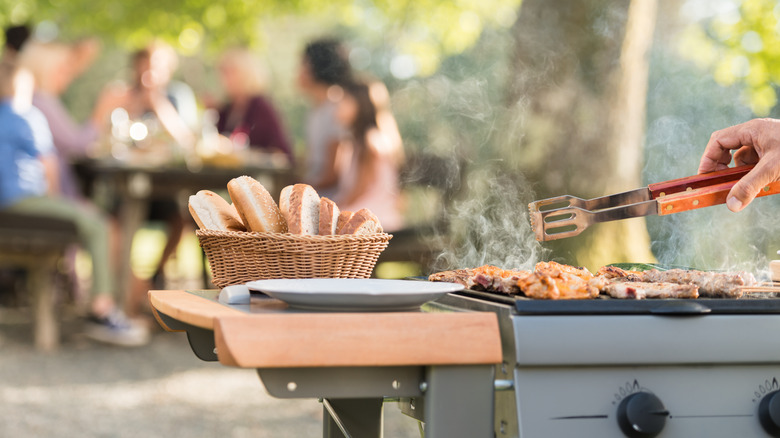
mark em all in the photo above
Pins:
pixel 72 139
pixel 755 142
pixel 52 174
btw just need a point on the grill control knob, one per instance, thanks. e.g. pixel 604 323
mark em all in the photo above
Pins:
pixel 641 415
pixel 769 413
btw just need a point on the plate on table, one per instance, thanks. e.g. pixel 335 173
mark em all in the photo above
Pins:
pixel 353 294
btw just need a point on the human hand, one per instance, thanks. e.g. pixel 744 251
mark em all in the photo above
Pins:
pixel 754 142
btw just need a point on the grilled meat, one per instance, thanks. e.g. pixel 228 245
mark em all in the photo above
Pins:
pixel 563 285
pixel 460 276
pixel 551 280
pixel 639 290
pixel 711 284
pixel 613 272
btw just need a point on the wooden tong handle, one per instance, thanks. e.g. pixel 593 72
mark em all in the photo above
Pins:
pixel 698 181
pixel 705 197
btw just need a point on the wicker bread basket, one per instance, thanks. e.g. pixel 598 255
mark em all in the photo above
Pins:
pixel 237 258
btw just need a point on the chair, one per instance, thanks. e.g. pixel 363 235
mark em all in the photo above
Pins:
pixel 37 244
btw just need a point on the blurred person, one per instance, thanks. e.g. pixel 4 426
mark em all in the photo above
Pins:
pixel 28 185
pixel 15 39
pixel 55 66
pixel 154 95
pixel 754 142
pixel 323 72
pixel 372 159
pixel 248 115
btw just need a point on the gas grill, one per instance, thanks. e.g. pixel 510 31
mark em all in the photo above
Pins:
pixel 636 368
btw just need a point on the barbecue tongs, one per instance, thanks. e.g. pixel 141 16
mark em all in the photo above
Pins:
pixel 566 216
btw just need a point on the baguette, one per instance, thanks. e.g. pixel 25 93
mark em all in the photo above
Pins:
pixel 344 217
pixel 329 217
pixel 301 209
pixel 255 206
pixel 212 212
pixel 362 222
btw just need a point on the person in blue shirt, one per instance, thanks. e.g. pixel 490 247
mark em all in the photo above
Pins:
pixel 27 165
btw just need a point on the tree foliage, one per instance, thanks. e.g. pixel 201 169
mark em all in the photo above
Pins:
pixel 741 45
pixel 424 30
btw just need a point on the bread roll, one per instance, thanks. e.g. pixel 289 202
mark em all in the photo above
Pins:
pixel 329 217
pixel 284 203
pixel 301 208
pixel 362 222
pixel 255 205
pixel 212 212
pixel 344 217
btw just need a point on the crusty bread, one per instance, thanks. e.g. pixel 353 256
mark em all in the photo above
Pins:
pixel 255 205
pixel 329 217
pixel 284 203
pixel 362 222
pixel 344 217
pixel 212 212
pixel 301 208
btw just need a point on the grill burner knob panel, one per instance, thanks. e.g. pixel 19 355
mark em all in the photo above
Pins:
pixel 642 415
pixel 769 413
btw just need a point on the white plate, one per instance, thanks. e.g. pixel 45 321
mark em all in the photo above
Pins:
pixel 353 294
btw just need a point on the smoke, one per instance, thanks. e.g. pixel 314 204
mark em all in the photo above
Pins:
pixel 491 225
pixel 684 107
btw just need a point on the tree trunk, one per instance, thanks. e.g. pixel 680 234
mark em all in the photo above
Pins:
pixel 581 76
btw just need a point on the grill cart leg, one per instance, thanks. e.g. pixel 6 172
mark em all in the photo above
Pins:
pixel 352 418
pixel 459 401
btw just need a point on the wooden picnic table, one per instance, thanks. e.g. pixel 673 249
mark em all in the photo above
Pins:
pixel 442 364
pixel 132 186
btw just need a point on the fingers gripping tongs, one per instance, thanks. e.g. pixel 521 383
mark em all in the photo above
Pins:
pixel 566 216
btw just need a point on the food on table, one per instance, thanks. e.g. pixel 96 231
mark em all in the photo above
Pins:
pixel 300 206
pixel 212 212
pixel 552 280
pixel 255 206
pixel 362 222
pixel 300 211
pixel 329 217
pixel 640 289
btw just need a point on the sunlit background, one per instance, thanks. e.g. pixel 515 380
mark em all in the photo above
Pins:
pixel 521 96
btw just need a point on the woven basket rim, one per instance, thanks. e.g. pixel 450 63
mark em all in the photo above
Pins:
pixel 292 237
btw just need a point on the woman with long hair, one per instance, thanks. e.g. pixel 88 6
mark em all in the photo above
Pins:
pixel 371 156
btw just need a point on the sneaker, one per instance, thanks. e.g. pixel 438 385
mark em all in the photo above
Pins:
pixel 116 329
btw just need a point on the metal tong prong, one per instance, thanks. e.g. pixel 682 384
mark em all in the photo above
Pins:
pixel 570 221
pixel 566 201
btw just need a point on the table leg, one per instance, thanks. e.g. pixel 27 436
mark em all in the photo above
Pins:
pixel 459 401
pixel 360 417
pixel 131 215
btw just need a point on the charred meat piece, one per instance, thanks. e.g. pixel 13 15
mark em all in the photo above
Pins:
pixel 460 276
pixel 638 290
pixel 711 284
pixel 615 273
